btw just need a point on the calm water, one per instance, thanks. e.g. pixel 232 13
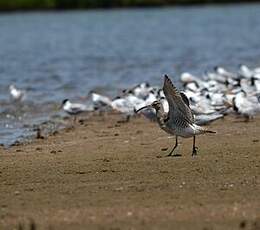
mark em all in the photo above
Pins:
pixel 66 54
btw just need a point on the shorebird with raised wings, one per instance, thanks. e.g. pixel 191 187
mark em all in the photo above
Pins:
pixel 179 121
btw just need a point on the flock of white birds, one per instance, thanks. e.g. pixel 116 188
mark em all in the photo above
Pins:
pixel 211 96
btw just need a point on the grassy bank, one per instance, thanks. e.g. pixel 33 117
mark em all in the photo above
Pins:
pixel 6 5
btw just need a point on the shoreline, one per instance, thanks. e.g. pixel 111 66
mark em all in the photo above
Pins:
pixel 104 173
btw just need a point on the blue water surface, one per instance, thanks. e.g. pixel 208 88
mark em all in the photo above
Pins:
pixel 57 55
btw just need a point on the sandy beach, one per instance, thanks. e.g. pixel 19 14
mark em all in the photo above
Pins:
pixel 103 174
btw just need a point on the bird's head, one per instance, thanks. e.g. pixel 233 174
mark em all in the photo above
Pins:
pixel 157 105
pixel 65 101
pixel 11 87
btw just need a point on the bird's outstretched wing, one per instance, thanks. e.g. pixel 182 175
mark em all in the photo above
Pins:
pixel 178 104
pixel 185 99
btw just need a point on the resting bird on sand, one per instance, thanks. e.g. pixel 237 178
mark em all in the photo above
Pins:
pixel 179 121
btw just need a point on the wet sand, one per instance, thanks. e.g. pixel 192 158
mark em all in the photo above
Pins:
pixel 108 175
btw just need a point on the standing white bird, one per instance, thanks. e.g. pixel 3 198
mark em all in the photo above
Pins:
pixel 142 90
pixel 221 71
pixel 99 100
pixel 74 108
pixel 205 119
pixel 179 121
pixel 245 105
pixel 16 94
pixel 245 72
pixel 122 105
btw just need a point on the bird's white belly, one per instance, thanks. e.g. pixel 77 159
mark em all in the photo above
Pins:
pixel 186 132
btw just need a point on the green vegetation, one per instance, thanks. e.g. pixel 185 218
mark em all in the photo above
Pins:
pixel 6 5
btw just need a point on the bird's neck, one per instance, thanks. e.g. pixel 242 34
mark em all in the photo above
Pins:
pixel 67 105
pixel 161 117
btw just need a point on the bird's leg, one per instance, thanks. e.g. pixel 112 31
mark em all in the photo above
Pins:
pixel 127 118
pixel 194 148
pixel 247 118
pixel 74 119
pixel 175 146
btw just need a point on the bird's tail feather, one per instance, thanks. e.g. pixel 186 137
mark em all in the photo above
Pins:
pixel 207 131
pixel 202 130
pixel 210 131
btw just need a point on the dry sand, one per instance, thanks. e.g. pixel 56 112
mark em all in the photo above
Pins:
pixel 108 175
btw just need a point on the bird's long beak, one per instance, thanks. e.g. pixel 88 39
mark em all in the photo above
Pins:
pixel 145 107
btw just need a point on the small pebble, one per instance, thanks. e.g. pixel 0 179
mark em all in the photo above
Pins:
pixel 164 149
pixel 242 224
pixel 129 213
pixel 139 131
pixel 119 189
pixel 80 172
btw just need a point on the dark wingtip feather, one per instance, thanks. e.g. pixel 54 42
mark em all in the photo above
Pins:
pixel 166 77
pixel 168 81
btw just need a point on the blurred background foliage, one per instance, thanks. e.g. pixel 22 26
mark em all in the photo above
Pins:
pixel 6 5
